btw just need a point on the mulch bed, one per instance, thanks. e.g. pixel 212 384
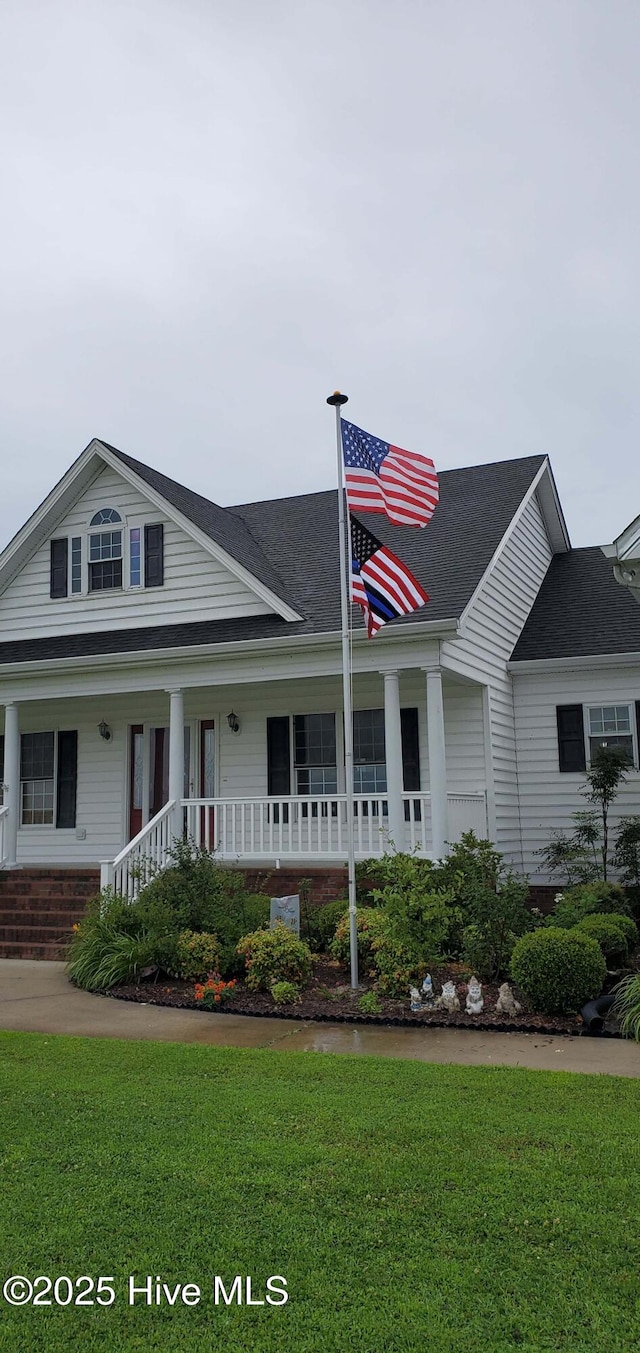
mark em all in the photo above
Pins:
pixel 329 999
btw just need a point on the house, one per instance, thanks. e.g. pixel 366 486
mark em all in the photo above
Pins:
pixel 168 664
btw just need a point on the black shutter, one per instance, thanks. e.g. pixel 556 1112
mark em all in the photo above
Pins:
pixel 278 757
pixel 67 779
pixel 58 568
pixel 1 759
pixel 571 753
pixel 410 749
pixel 154 555
pixel 638 727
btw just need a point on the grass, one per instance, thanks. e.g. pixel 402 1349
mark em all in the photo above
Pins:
pixel 410 1207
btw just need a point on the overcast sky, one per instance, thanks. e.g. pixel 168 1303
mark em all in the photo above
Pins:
pixel 214 213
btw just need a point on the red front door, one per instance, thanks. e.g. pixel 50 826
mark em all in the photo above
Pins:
pixel 207 782
pixel 136 778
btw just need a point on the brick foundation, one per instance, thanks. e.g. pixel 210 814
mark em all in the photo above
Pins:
pixel 324 885
pixel 543 896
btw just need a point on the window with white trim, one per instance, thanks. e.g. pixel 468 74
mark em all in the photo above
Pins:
pixel 610 726
pixel 369 759
pixel 37 778
pixel 315 759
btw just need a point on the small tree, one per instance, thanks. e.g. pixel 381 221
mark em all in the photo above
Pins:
pixel 605 775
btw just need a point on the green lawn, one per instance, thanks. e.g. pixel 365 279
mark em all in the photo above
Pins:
pixel 410 1207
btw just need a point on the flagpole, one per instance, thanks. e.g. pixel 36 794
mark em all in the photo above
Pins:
pixel 337 400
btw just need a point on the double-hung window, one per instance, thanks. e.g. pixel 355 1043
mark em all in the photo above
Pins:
pixel 315 760
pixel 369 763
pixel 37 779
pixel 610 726
pixel 48 779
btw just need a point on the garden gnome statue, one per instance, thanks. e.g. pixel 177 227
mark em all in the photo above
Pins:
pixel 506 1003
pixel 428 994
pixel 449 999
pixel 475 1002
pixel 416 1003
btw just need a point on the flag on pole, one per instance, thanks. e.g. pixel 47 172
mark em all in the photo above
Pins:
pixel 384 478
pixel 380 583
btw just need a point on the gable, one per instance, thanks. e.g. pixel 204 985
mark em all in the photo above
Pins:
pixel 195 583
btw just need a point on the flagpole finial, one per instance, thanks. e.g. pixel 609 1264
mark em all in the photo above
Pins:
pixel 337 398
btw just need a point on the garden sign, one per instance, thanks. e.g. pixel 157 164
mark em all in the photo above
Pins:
pixel 287 910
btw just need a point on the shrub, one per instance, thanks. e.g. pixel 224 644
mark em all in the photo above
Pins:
pixel 558 970
pixel 274 956
pixel 627 850
pixel 323 922
pixel 421 912
pixel 629 927
pixel 487 896
pixel 196 953
pixel 197 893
pixel 101 957
pixel 397 964
pixel 485 950
pixel 608 934
pixel 626 1006
pixel 369 922
pixel 587 899
pixel 384 952
pixel 214 992
pixel 369 1003
pixel 285 993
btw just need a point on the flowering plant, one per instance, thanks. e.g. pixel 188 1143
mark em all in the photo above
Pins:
pixel 214 992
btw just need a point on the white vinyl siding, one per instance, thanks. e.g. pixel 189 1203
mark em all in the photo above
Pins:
pixel 549 796
pixel 196 587
pixel 491 631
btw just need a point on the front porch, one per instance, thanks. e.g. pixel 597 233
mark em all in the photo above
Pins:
pixel 254 772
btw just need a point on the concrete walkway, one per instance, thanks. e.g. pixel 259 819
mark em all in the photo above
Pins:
pixel 36 997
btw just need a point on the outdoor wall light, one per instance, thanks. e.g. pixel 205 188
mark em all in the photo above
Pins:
pixel 104 730
pixel 233 722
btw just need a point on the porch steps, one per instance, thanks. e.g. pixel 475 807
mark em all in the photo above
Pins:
pixel 38 908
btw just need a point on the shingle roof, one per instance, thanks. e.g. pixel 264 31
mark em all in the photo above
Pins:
pixel 295 539
pixel 449 556
pixel 580 611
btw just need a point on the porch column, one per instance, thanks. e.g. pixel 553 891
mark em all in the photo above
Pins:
pixel 12 783
pixel 176 758
pixel 393 753
pixel 437 763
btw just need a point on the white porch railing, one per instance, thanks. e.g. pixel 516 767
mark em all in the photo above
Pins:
pixel 146 853
pixel 297 829
pixel 4 813
pixel 305 828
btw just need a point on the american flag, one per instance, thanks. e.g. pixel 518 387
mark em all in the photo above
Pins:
pixel 382 585
pixel 383 478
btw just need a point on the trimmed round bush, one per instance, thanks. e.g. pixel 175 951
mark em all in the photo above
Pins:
pixel 558 970
pixel 628 925
pixel 272 956
pixel 608 933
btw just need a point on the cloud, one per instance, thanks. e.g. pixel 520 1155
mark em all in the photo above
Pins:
pixel 218 213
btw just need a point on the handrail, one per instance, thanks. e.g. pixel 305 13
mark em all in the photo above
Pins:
pixel 147 851
pixel 4 812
